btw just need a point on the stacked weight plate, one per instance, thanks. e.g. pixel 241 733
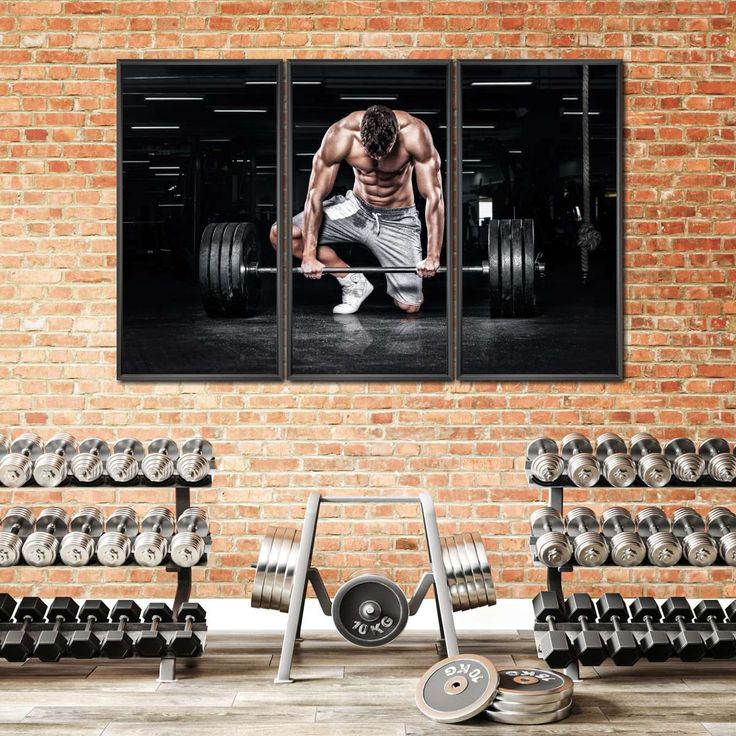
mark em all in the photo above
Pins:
pixel 275 569
pixel 468 572
pixel 531 697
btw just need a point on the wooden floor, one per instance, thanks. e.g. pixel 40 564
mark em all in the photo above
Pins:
pixel 341 690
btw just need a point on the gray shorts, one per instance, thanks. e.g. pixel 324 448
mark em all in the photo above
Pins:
pixel 392 235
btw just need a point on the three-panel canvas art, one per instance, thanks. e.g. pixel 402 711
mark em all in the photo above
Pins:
pixel 400 221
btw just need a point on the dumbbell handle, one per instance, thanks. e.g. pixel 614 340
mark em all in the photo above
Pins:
pixel 27 620
pixel 58 622
pixel 617 526
pixel 653 528
pixel 188 621
pixel 583 621
pixel 579 523
pixel 155 621
pixel 713 621
pixel 551 622
pixel 680 620
pixel 687 526
pixel 50 528
pixel 91 621
pixel 616 621
pixel 722 525
pixel 122 623
pixel 649 621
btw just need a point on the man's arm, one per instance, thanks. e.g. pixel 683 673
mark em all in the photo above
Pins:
pixel 429 182
pixel 325 165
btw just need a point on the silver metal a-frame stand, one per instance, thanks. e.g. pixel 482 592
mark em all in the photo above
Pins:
pixel 304 573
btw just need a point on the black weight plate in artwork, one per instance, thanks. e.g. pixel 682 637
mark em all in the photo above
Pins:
pixel 494 262
pixel 225 281
pixel 251 260
pixel 506 270
pixel 530 299
pixel 205 248
pixel 517 269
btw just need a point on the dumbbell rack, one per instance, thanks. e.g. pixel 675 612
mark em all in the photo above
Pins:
pixel 167 663
pixel 556 500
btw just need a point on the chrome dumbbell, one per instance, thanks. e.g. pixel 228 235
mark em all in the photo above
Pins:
pixel 663 547
pixel 627 547
pixel 88 465
pixel 188 545
pixel 158 464
pixel 545 462
pixel 78 547
pixel 18 523
pixel 720 463
pixel 52 468
pixel 722 527
pixel 553 547
pixel 194 463
pixel 114 546
pixel 618 467
pixel 651 464
pixel 591 548
pixel 698 548
pixel 4 445
pixel 123 465
pixel 152 545
pixel 41 547
pixel 583 467
pixel 687 465
pixel 16 468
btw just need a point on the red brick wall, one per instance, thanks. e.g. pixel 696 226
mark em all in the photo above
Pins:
pixel 276 442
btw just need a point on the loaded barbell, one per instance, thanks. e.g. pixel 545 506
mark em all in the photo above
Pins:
pixel 230 268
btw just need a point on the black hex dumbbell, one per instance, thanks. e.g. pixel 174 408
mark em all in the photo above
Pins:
pixel 718 644
pixel 117 644
pixel 18 644
pixel 152 643
pixel 8 605
pixel 655 645
pixel 554 646
pixel 622 645
pixel 51 645
pixel 186 643
pixel 588 645
pixel 85 644
pixel 689 645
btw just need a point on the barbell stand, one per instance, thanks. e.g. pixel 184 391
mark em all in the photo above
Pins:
pixel 304 573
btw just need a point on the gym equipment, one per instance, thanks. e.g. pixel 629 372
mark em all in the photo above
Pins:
pixel 185 642
pixel 457 688
pixel 194 463
pixel 152 643
pixel 655 645
pixel 117 644
pixel 651 464
pixel 719 644
pixel 230 270
pixel 591 549
pixel 78 547
pixel 151 545
pixel 618 467
pixel 722 528
pixel 663 547
pixel 114 546
pixel 627 547
pixel 158 465
pixel 284 568
pixel 16 467
pixel 18 644
pixel 688 645
pixel 85 644
pixel 51 645
pixel 720 463
pixel 553 548
pixel 124 463
pixel 188 544
pixel 52 468
pixel 7 606
pixel 88 465
pixel 687 465
pixel 588 645
pixel 622 646
pixel 41 547
pixel 546 463
pixel 553 646
pixel 4 445
pixel 583 468
pixel 688 526
pixel 17 525
pixel 531 696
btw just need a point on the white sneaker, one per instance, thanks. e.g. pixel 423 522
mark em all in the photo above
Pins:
pixel 355 290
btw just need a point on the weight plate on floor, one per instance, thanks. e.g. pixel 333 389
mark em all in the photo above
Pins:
pixel 370 610
pixel 485 569
pixel 517 269
pixel 530 299
pixel 457 688
pixel 256 595
pixel 506 270
pixel 479 588
pixel 532 685
pixel 504 706
pixel 528 719
pixel 494 263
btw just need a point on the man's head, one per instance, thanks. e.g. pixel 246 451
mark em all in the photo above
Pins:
pixel 379 130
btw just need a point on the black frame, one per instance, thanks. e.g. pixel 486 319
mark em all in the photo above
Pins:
pixel 619 374
pixel 449 231
pixel 278 375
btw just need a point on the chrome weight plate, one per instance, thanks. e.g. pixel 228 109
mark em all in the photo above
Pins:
pixel 502 706
pixel 455 578
pixel 256 595
pixel 288 582
pixel 529 719
pixel 457 688
pixel 473 573
pixel 283 560
pixel 485 569
pixel 271 565
pixel 466 568
pixel 532 685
